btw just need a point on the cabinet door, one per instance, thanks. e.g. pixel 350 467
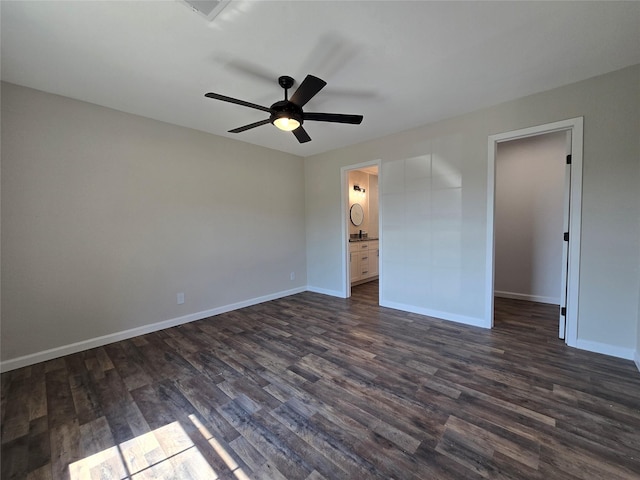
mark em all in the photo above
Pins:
pixel 354 266
pixel 374 261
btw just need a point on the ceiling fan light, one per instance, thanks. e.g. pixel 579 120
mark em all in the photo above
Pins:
pixel 287 124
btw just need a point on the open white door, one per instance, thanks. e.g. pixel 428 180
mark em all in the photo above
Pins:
pixel 565 243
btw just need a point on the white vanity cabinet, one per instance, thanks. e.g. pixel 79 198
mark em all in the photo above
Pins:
pixel 354 263
pixel 374 258
pixel 363 260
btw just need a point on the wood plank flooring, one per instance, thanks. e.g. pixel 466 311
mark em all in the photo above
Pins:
pixel 314 387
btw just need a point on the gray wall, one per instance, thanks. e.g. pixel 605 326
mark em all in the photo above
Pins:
pixel 610 277
pixel 528 221
pixel 106 216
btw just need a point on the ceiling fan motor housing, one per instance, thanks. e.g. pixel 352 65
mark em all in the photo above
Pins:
pixel 285 108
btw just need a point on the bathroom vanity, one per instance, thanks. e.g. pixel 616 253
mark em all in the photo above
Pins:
pixel 363 260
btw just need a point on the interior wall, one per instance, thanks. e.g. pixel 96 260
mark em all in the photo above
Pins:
pixel 374 207
pixel 106 216
pixel 529 217
pixel 422 229
pixel 609 265
pixel 360 178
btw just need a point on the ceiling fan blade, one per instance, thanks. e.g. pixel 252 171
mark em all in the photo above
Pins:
pixel 224 98
pixel 250 126
pixel 333 117
pixel 307 90
pixel 302 135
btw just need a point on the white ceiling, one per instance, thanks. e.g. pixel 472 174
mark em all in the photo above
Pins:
pixel 400 64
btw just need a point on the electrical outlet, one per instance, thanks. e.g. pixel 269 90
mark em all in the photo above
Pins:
pixel 292 276
pixel 180 297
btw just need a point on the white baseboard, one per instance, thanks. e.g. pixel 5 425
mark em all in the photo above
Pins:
pixel 528 298
pixel 76 347
pixel 606 349
pixel 324 291
pixel 473 321
pixel 31 359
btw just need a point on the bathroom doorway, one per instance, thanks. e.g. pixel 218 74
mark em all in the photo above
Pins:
pixel 361 225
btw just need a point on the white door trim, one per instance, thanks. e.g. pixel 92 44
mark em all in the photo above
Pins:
pixel 575 125
pixel 344 207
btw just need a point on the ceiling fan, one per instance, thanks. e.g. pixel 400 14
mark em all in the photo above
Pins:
pixel 287 114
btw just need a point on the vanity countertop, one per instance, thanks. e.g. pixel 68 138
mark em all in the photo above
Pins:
pixel 367 239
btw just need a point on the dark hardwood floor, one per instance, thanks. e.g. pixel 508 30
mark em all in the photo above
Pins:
pixel 312 387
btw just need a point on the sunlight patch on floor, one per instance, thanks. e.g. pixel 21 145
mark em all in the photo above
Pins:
pixel 166 452
pixel 219 449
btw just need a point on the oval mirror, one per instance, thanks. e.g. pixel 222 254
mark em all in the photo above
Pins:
pixel 356 214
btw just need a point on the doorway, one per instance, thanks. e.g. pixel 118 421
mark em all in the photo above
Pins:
pixel 530 221
pixel 361 225
pixel 566 289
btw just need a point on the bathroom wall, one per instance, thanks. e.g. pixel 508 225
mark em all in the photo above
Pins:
pixel 360 178
pixel 374 210
pixel 368 200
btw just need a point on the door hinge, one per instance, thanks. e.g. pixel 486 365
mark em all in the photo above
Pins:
pixel 566 236
pixel 569 159
pixel 563 311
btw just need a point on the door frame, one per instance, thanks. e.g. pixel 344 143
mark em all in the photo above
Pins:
pixel 575 125
pixel 344 207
